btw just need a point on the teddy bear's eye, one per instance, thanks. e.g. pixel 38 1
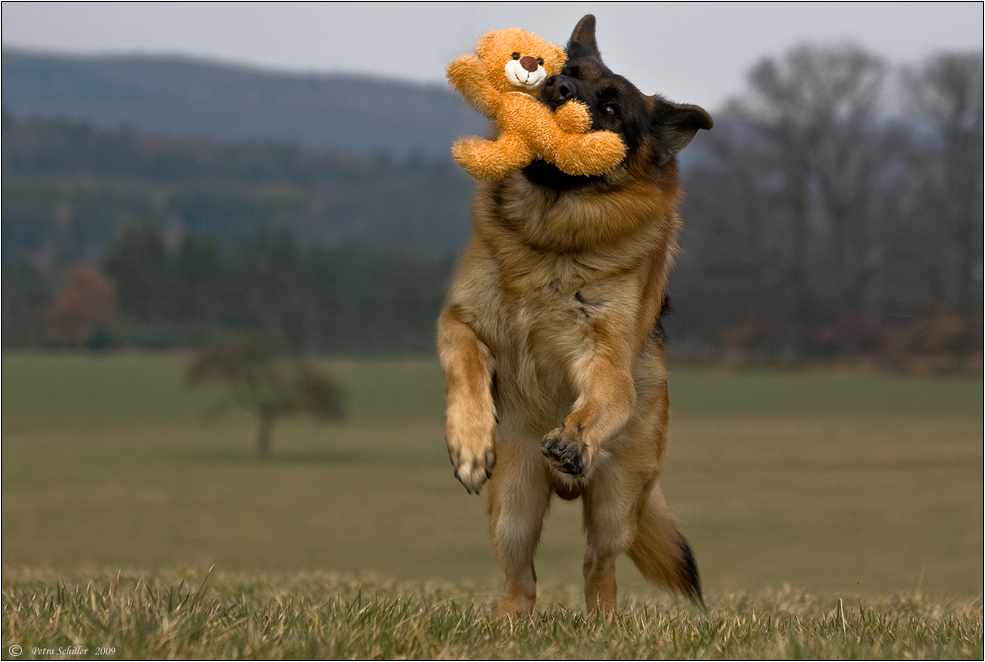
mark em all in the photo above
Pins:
pixel 540 61
pixel 516 56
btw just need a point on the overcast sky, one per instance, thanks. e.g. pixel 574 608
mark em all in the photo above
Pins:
pixel 690 52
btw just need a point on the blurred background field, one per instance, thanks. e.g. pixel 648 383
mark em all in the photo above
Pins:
pixel 831 482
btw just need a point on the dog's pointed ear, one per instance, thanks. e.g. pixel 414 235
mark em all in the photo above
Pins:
pixel 676 124
pixel 582 40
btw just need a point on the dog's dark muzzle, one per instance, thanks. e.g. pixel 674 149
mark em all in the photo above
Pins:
pixel 557 90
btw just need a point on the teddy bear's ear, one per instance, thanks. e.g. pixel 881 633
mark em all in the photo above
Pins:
pixel 554 59
pixel 582 42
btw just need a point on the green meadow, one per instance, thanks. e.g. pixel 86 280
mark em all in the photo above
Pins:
pixel 823 481
pixel 839 485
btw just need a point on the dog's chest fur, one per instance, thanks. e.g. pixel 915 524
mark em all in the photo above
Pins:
pixel 549 276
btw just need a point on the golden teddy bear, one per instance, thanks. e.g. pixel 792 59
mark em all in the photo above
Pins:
pixel 501 82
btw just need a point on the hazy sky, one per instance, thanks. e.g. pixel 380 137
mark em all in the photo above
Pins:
pixel 690 52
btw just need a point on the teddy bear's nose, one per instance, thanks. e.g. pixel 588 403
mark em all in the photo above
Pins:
pixel 529 63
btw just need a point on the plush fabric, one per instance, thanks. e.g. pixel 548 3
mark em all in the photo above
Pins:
pixel 501 81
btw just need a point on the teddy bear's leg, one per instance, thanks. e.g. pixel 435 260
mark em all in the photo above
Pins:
pixel 490 160
pixel 573 117
pixel 593 153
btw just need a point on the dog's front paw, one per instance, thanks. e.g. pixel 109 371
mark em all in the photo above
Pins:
pixel 565 453
pixel 473 466
pixel 470 445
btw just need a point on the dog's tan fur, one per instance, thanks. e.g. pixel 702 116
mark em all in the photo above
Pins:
pixel 548 335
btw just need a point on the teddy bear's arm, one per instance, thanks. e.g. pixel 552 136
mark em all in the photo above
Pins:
pixel 465 73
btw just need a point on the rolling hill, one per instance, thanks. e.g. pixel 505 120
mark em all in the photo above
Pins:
pixel 194 98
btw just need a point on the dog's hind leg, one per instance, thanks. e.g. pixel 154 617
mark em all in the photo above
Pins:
pixel 659 550
pixel 517 497
pixel 625 512
pixel 609 506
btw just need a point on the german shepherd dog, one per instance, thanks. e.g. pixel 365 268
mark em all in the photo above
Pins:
pixel 552 346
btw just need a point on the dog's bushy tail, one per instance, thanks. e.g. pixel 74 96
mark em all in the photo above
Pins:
pixel 661 552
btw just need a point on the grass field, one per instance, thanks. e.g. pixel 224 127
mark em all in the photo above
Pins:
pixel 837 485
pixel 195 615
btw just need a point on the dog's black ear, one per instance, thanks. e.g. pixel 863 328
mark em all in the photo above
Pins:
pixel 676 123
pixel 582 40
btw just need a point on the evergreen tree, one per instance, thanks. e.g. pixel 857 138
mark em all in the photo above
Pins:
pixel 139 264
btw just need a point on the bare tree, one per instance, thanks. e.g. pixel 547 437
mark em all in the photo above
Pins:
pixel 816 107
pixel 266 383
pixel 824 221
pixel 948 90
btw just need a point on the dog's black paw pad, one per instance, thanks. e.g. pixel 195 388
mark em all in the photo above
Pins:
pixel 563 454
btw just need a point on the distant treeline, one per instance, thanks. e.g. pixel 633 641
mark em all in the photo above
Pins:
pixel 318 301
pixel 69 188
pixel 821 222
pixel 200 239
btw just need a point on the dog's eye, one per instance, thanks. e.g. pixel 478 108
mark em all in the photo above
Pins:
pixel 516 56
pixel 540 61
pixel 610 110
